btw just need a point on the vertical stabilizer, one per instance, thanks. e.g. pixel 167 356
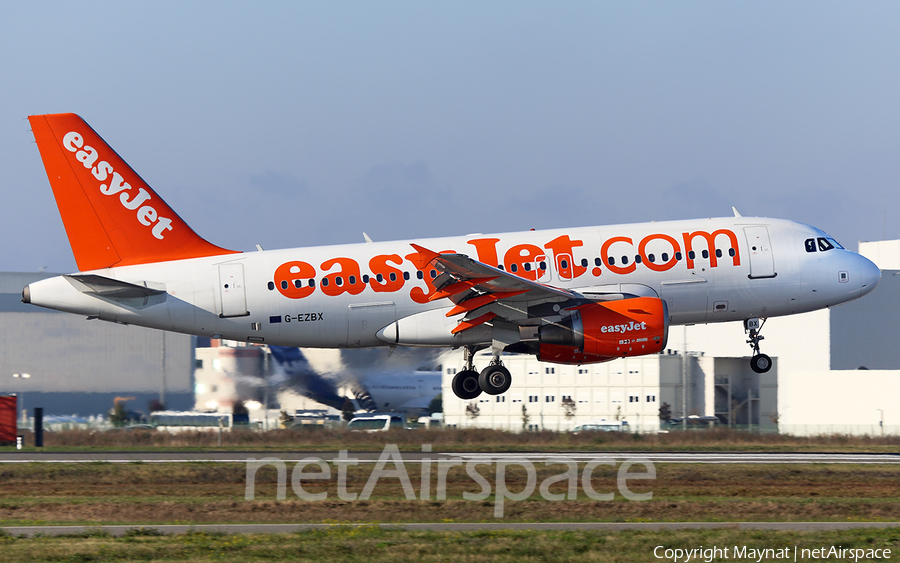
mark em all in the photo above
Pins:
pixel 112 217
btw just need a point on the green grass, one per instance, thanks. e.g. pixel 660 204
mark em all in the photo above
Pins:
pixel 376 545
pixel 198 493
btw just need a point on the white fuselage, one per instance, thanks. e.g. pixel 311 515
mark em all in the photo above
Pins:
pixel 755 268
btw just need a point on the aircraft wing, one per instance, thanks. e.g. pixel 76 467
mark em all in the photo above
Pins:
pixel 474 285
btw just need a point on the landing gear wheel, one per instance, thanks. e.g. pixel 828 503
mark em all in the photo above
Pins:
pixel 760 363
pixel 494 379
pixel 465 384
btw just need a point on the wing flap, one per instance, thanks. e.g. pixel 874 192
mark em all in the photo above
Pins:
pixel 486 279
pixel 479 301
pixel 466 325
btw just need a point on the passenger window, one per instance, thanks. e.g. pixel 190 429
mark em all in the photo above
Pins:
pixel 514 268
pixel 598 262
pixel 271 286
pixel 420 275
pixel 543 265
pixel 584 262
pixel 810 245
pixel 312 282
pixel 637 259
pixel 718 253
pixel 624 260
pixel 339 281
pixel 351 280
pixel 611 260
pixel 283 284
pixel 406 275
pixel 731 252
pixel 665 256
pixel 563 264
pixel 433 274
pixel 298 284
pixel 824 244
pixel 527 266
pixel 692 254
pixel 651 258
pixel 365 278
pixel 380 277
pixel 705 253
pixel 324 282
pixel 677 257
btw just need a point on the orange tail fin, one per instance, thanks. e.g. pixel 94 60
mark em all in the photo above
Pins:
pixel 112 217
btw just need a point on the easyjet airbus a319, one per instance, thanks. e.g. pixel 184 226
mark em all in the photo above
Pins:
pixel 571 296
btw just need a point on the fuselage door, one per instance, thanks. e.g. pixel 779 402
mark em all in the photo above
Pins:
pixel 762 263
pixel 366 319
pixel 232 291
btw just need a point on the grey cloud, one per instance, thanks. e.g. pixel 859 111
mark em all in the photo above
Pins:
pixel 278 183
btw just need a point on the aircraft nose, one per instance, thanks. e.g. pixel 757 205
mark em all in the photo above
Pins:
pixel 869 275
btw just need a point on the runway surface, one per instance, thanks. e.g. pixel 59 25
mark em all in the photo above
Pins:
pixel 418 457
pixel 30 531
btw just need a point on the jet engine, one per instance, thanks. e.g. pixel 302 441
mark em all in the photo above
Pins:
pixel 599 332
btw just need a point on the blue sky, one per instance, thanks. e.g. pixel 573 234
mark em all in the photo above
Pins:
pixel 295 123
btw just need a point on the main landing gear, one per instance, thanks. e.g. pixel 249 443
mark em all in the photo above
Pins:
pixel 759 363
pixel 469 384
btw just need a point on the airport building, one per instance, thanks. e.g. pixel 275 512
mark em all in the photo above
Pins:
pixel 547 396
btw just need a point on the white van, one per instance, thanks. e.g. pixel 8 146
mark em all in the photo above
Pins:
pixel 603 426
pixel 376 422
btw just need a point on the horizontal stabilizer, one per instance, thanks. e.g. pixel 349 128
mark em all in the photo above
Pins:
pixel 110 288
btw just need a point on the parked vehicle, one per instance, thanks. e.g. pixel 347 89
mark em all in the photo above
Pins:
pixel 603 426
pixel 376 422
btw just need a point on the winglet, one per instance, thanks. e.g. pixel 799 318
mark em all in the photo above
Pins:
pixel 736 212
pixel 112 217
pixel 424 257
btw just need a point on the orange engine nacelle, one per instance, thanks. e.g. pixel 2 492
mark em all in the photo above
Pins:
pixel 599 332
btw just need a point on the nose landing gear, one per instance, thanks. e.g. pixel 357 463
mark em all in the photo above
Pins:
pixel 759 363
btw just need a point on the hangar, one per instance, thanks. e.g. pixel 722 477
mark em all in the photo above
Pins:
pixel 77 366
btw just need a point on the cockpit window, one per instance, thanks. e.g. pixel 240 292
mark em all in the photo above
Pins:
pixel 810 245
pixel 824 244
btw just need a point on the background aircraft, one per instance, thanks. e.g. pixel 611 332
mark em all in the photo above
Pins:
pixel 371 382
